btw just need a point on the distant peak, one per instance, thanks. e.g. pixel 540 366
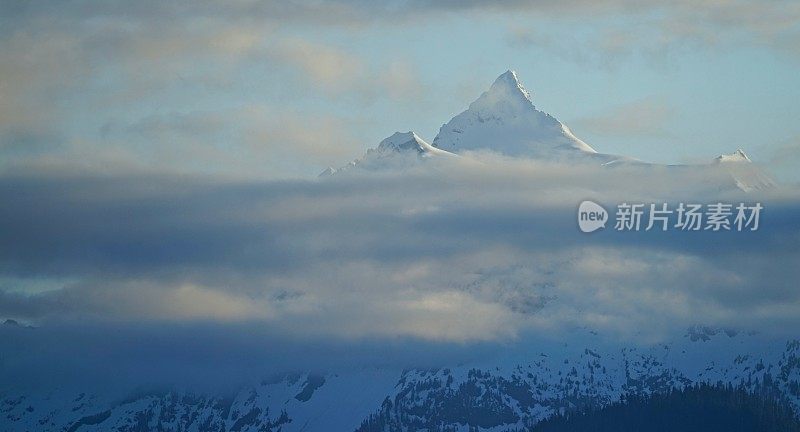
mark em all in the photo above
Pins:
pixel 328 171
pixel 740 153
pixel 737 156
pixel 399 140
pixel 403 136
pixel 395 152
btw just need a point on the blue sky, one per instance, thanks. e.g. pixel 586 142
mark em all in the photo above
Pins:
pixel 280 89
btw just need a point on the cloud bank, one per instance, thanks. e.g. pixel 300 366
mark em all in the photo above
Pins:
pixel 433 264
pixel 409 254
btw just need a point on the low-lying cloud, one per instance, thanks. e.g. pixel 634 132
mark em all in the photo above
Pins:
pixel 474 241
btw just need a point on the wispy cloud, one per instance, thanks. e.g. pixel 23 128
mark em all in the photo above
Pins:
pixel 328 68
pixel 641 118
pixel 339 73
pixel 656 31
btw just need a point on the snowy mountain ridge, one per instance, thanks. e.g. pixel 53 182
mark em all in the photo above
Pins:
pixel 507 395
pixel 400 150
pixel 504 120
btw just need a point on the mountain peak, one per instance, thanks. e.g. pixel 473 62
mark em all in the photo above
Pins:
pixel 399 150
pixel 508 84
pixel 399 141
pixel 737 156
pixel 506 96
pixel 402 142
pixel 746 175
pixel 504 120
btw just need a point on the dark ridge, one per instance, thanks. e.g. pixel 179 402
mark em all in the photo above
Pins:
pixel 312 383
pixel 699 408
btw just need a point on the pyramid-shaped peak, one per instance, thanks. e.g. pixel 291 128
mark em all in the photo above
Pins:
pixel 509 77
pixel 506 97
pixel 504 120
pixel 508 84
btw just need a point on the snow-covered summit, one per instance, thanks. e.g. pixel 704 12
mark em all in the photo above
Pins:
pixel 737 156
pixel 746 175
pixel 407 141
pixel 400 150
pixel 508 87
pixel 504 120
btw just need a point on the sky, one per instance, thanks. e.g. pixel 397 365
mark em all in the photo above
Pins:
pixel 158 166
pixel 285 89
